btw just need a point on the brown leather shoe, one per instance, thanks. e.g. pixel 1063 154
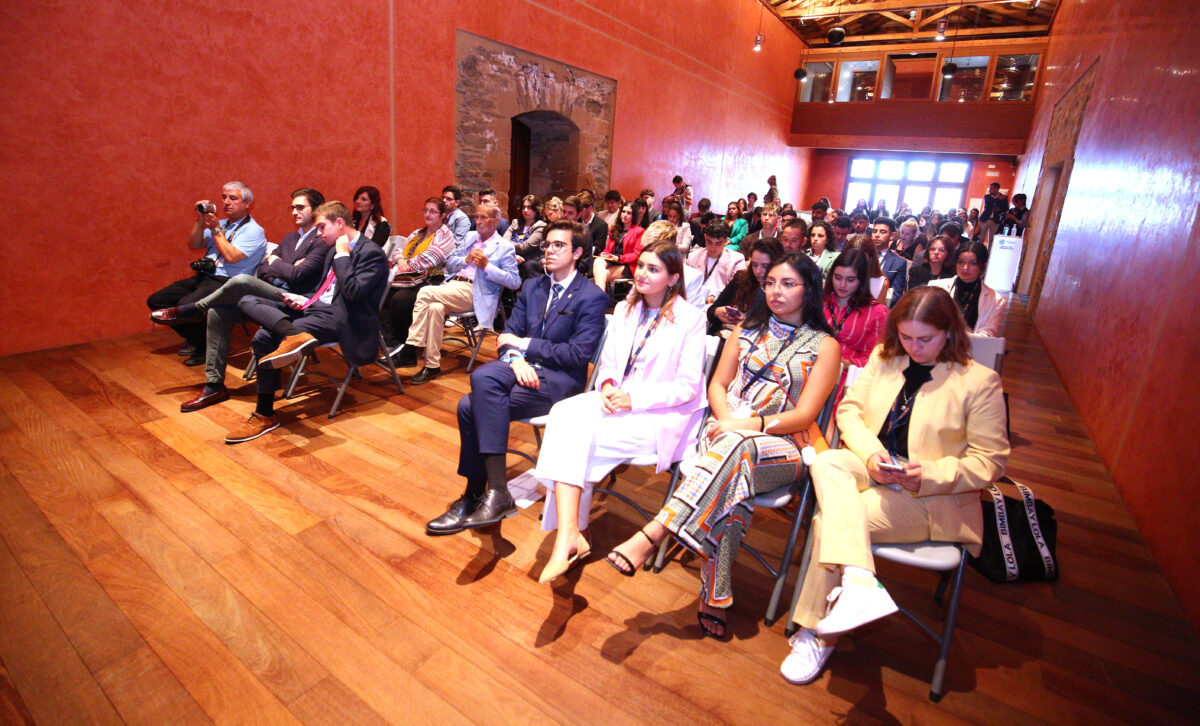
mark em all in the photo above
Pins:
pixel 255 426
pixel 170 316
pixel 204 400
pixel 289 351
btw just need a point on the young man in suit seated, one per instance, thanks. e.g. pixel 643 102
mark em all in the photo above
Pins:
pixel 294 266
pixel 895 267
pixel 343 310
pixel 556 324
pixel 481 265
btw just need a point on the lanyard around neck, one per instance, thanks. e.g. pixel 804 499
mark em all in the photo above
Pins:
pixel 634 353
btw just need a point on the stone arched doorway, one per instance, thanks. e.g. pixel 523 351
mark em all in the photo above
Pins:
pixel 566 112
pixel 544 157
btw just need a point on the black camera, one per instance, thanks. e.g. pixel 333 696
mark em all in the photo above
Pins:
pixel 209 208
pixel 205 264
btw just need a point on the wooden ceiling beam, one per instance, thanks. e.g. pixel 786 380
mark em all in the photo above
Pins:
pixel 956 34
pixel 899 19
pixel 935 17
pixel 794 12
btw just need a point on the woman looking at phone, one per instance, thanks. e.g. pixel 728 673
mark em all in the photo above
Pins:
pixel 924 431
pixel 744 291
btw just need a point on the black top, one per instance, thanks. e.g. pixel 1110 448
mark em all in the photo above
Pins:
pixel 894 433
pixel 966 294
pixel 921 274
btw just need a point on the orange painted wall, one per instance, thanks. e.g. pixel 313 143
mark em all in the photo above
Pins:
pixel 1118 310
pixel 118 117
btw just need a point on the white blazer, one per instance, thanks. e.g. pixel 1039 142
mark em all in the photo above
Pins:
pixel 991 307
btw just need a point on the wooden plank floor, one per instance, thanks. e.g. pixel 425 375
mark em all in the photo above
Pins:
pixel 151 574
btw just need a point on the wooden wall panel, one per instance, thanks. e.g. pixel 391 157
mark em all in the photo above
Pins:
pixel 1120 327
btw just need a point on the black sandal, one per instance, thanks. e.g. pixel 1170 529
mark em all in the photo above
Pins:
pixel 632 570
pixel 706 620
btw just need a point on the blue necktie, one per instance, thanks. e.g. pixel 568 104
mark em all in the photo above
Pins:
pixel 554 293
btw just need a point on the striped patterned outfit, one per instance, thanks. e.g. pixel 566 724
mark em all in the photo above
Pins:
pixel 712 507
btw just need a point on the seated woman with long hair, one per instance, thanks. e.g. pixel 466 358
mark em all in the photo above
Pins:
pixel 738 227
pixel 821 245
pixel 744 292
pixel 649 401
pixel 880 287
pixel 368 215
pixel 624 245
pixel 553 210
pixel 981 306
pixel 933 267
pixel 768 389
pixel 924 431
pixel 417 260
pixel 855 317
pixel 527 233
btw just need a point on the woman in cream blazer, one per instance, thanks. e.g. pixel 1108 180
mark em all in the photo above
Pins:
pixel 979 303
pixel 924 407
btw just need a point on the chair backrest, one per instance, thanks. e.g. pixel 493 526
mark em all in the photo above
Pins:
pixel 595 363
pixel 988 351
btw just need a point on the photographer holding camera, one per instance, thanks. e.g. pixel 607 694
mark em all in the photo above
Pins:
pixel 232 246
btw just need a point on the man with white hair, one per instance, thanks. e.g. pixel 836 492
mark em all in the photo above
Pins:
pixel 482 264
pixel 232 246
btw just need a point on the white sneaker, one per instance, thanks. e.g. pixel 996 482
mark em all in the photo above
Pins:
pixel 854 604
pixel 807 659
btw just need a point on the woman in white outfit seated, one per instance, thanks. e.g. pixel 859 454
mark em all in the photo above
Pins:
pixel 649 400
pixel 981 306
pixel 924 431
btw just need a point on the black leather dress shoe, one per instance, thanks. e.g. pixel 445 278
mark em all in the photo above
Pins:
pixel 451 522
pixel 426 375
pixel 204 400
pixel 406 357
pixel 495 506
pixel 185 350
pixel 195 359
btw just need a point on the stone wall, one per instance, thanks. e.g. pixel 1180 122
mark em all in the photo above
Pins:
pixel 497 82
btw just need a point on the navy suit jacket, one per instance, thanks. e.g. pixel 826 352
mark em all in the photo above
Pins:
pixel 573 329
pixel 302 278
pixel 895 269
pixel 361 279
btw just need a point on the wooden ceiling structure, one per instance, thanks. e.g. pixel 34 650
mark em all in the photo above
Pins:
pixel 878 22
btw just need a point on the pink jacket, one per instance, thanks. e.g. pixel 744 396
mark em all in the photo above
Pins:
pixel 671 380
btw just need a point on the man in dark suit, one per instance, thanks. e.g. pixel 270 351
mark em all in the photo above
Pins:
pixel 344 309
pixel 294 266
pixel 895 267
pixel 580 208
pixel 556 324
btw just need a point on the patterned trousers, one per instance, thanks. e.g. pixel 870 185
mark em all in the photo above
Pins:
pixel 712 507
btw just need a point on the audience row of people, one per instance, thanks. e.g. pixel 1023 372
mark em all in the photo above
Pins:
pixel 923 425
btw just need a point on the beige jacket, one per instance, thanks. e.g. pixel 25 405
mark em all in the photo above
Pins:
pixel 957 432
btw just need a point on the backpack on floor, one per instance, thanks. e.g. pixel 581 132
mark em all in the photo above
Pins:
pixel 1019 537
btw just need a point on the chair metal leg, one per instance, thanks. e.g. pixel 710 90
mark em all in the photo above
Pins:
pixel 805 556
pixel 475 350
pixel 251 368
pixel 660 557
pixel 389 366
pixel 939 668
pixel 341 391
pixel 299 371
pixel 788 550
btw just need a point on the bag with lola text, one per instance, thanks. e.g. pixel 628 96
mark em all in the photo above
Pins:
pixel 1019 537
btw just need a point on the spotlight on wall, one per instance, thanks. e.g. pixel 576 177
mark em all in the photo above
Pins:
pixel 836 35
pixel 758 40
pixel 941 33
pixel 800 74
pixel 949 69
